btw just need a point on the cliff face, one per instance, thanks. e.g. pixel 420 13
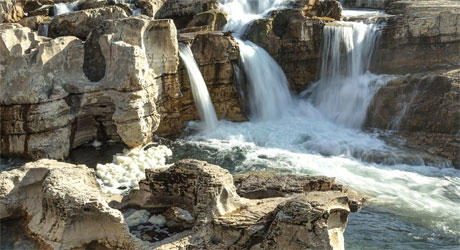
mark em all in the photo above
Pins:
pixel 60 93
pixel 419 37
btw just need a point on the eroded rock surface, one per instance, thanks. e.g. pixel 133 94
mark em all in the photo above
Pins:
pixel 293 36
pixel 425 108
pixel 420 36
pixel 224 220
pixel 63 206
pixel 57 94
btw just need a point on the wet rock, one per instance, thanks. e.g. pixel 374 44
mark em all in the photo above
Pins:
pixel 216 54
pixel 420 36
pixel 81 23
pixel 256 186
pixel 138 217
pixel 63 206
pixel 424 108
pixel 294 41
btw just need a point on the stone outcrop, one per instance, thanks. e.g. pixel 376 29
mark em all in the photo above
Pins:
pixel 11 11
pixel 57 94
pixel 293 36
pixel 210 20
pixel 419 37
pixel 63 207
pixel 224 220
pixel 81 23
pixel 215 54
pixel 182 11
pixel 424 108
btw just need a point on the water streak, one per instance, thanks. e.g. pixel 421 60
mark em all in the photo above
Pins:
pixel 346 86
pixel 200 91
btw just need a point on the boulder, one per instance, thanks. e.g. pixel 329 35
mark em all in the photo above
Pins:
pixel 294 41
pixel 420 36
pixel 63 206
pixel 34 22
pixel 224 220
pixel 182 11
pixel 11 11
pixel 81 23
pixel 424 108
pixel 213 19
pixel 105 88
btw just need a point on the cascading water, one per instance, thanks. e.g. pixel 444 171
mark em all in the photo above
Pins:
pixel 268 93
pixel 346 87
pixel 62 8
pixel 200 91
pixel 410 205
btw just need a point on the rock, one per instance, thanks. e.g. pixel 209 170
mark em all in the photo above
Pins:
pixel 256 186
pixel 421 36
pixel 216 54
pixel 105 88
pixel 33 22
pixel 157 220
pixel 182 11
pixel 11 11
pixel 81 23
pixel 294 41
pixel 178 217
pixel 149 7
pixel 137 218
pixel 371 4
pixel 177 187
pixel 213 19
pixel 64 207
pixel 223 220
pixel 424 108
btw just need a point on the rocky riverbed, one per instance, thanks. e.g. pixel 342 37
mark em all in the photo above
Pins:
pixel 77 77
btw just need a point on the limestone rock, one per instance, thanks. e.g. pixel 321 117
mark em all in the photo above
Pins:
pixel 11 11
pixel 213 19
pixel 420 36
pixel 203 189
pixel 223 220
pixel 106 88
pixel 256 186
pixel 81 23
pixel 425 108
pixel 34 21
pixel 294 41
pixel 182 11
pixel 63 206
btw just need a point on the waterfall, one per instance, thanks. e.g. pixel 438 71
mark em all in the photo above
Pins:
pixel 62 8
pixel 268 91
pixel 43 29
pixel 199 90
pixel 346 87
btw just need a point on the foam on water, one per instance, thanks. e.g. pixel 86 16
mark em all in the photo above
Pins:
pixel 200 91
pixel 127 169
pixel 62 8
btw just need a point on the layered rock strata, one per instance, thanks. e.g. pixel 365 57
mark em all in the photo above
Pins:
pixel 64 208
pixel 60 93
pixel 419 36
pixel 424 108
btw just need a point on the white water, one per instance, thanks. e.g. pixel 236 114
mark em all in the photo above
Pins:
pixel 321 135
pixel 62 8
pixel 268 92
pixel 200 91
pixel 346 86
